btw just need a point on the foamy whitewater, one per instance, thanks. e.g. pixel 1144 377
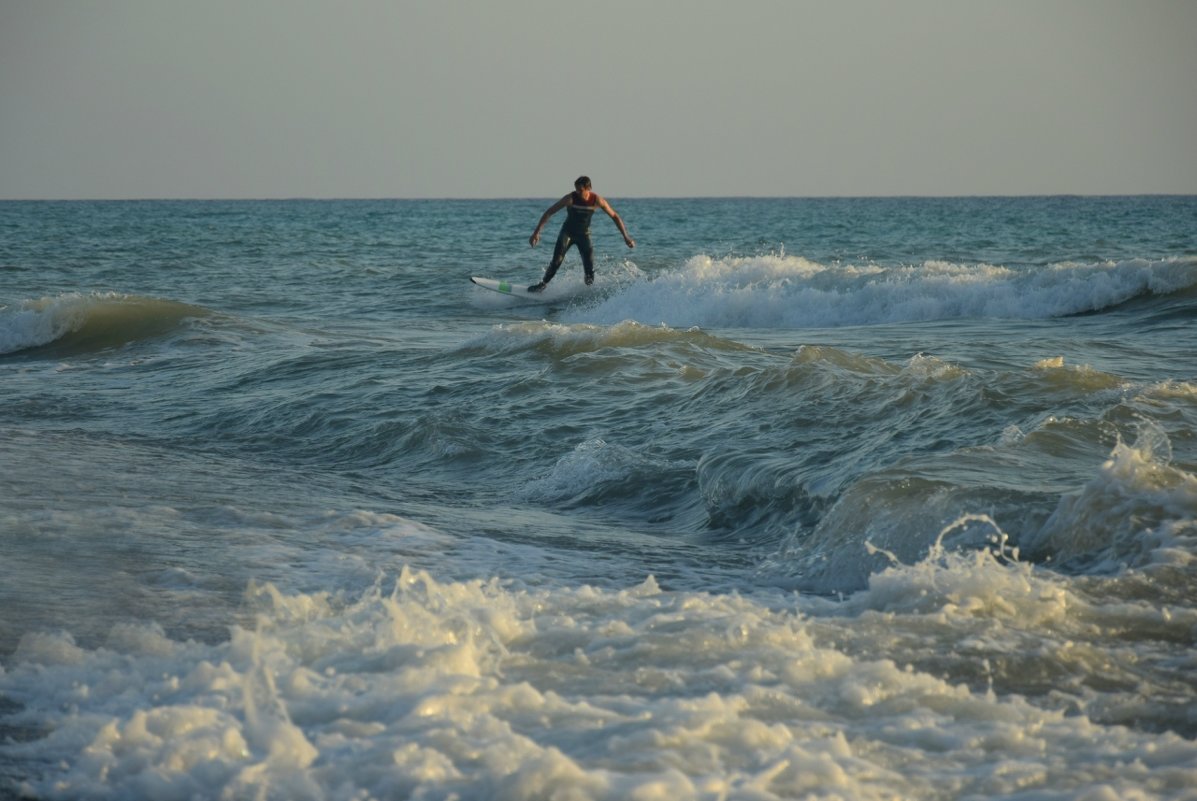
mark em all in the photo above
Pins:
pixel 804 499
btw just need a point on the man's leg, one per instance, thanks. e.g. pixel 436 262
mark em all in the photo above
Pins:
pixel 563 243
pixel 586 248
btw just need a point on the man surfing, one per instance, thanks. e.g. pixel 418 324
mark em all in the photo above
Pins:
pixel 579 207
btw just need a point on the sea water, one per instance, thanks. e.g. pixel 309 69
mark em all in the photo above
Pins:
pixel 840 498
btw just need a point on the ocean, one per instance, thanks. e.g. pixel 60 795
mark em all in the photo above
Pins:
pixel 882 498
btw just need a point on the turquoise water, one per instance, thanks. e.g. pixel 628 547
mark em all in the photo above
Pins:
pixel 858 498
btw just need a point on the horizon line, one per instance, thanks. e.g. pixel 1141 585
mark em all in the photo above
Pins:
pixel 417 198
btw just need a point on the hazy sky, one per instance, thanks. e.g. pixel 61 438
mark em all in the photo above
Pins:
pixel 515 98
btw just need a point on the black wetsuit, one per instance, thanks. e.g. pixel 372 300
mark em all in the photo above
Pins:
pixel 575 231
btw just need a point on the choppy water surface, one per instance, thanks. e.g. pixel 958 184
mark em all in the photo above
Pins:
pixel 887 498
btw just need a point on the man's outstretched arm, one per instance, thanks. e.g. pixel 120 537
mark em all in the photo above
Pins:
pixel 544 218
pixel 605 206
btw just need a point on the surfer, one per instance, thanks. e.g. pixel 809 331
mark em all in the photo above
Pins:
pixel 579 207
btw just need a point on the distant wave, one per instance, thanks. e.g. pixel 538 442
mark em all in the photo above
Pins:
pixel 82 323
pixel 781 291
pixel 561 341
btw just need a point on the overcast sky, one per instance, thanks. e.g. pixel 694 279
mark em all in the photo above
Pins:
pixel 515 98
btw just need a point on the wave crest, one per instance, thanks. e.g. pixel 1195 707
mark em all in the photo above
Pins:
pixel 778 291
pixel 77 323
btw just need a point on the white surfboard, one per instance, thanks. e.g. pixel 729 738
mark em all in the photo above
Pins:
pixel 515 290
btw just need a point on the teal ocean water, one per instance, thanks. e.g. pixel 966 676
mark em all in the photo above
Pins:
pixel 841 498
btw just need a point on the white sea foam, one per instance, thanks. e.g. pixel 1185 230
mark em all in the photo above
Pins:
pixel 476 690
pixel 1134 510
pixel 1118 517
pixel 782 291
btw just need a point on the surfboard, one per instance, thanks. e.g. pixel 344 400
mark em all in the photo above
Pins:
pixel 515 290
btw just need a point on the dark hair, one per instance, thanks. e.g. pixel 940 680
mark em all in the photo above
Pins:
pixel 582 183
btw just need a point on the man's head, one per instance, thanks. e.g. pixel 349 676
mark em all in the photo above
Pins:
pixel 582 183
